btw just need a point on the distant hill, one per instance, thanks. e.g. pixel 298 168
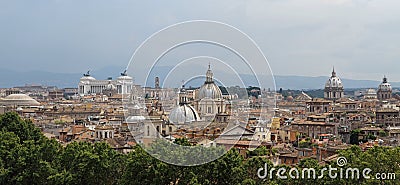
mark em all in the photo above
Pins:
pixel 10 78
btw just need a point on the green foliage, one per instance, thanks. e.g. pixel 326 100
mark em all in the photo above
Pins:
pixel 371 137
pixel 182 142
pixel 24 129
pixel 304 144
pixel 354 136
pixel 260 151
pixel 383 133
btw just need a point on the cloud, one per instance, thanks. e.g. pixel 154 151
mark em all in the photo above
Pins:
pixel 299 37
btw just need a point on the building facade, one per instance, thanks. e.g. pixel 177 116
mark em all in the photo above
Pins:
pixel 90 85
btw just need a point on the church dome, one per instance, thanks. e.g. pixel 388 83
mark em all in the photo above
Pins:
pixel 135 119
pixel 183 114
pixel 334 81
pixel 370 91
pixel 19 99
pixel 209 89
pixel 385 85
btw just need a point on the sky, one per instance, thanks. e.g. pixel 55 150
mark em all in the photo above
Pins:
pixel 361 38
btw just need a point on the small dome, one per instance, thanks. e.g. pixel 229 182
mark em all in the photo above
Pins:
pixel 209 89
pixel 135 119
pixel 370 91
pixel 289 98
pixel 19 99
pixel 385 85
pixel 183 114
pixel 334 81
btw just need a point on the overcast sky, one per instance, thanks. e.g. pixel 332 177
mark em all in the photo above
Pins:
pixel 361 38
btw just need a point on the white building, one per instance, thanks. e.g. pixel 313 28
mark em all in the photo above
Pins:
pixel 90 85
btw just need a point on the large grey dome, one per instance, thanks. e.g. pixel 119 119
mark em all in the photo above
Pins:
pixel 183 114
pixel 19 100
pixel 210 91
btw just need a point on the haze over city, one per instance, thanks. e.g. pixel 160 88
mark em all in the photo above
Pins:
pixel 306 38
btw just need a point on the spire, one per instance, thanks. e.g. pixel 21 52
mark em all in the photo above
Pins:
pixel 209 75
pixel 157 82
pixel 333 72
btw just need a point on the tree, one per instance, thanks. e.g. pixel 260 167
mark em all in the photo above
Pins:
pixel 354 136
pixel 251 167
pixel 86 163
pixel 26 156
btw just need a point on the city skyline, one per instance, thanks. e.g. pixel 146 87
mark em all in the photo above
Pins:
pixel 191 92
